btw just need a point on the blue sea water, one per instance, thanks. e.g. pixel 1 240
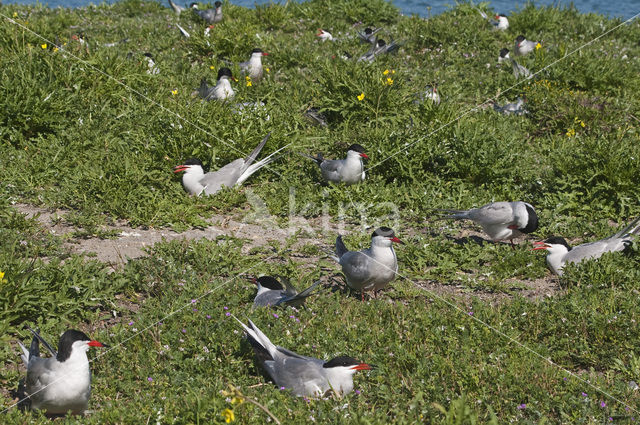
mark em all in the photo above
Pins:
pixel 619 8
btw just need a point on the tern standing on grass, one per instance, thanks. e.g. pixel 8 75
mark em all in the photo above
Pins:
pixel 61 383
pixel 253 67
pixel 500 220
pixel 348 171
pixel 373 268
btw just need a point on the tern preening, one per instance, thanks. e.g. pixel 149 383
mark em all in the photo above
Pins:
pixel 324 35
pixel 559 252
pixel 373 268
pixel 221 91
pixel 304 376
pixel 524 46
pixel 196 182
pixel 253 67
pixel 512 108
pixel 210 16
pixel 349 170
pixel 271 293
pixel 501 220
pixel 61 383
pixel 368 35
pixel 519 70
pixel 379 48
pixel 177 8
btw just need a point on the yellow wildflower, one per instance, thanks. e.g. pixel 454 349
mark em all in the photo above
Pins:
pixel 385 72
pixel 211 67
pixel 571 132
pixel 55 49
pixel 15 14
pixel 361 96
pixel 174 92
pixel 1 277
pixel 228 415
pixel 248 79
pixel 44 46
pixel 388 82
pixel 267 69
pixel 538 46
pixel 237 400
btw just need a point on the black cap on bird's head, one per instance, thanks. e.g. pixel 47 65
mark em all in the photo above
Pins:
pixel 532 221
pixel 258 50
pixel 188 163
pixel 368 31
pixel 268 282
pixel 387 233
pixel 358 148
pixel 217 4
pixel 502 15
pixel 346 361
pixel 504 52
pixel 380 42
pixel 149 55
pixel 520 38
pixel 193 5
pixel 65 344
pixel 224 72
pixel 553 240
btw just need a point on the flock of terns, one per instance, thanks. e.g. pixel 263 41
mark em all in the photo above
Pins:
pixel 62 382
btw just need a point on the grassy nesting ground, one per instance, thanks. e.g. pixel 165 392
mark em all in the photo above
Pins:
pixel 74 139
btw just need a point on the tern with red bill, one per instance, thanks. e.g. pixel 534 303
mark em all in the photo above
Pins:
pixel 348 171
pixel 304 376
pixel 221 91
pixel 524 46
pixel 61 383
pixel 271 293
pixel 196 182
pixel 500 23
pixel 500 220
pixel 324 35
pixel 559 252
pixel 253 67
pixel 373 268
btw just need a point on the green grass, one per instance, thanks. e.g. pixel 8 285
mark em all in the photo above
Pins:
pixel 74 139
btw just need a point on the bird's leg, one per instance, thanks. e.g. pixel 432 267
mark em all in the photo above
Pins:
pixel 362 295
pixel 512 244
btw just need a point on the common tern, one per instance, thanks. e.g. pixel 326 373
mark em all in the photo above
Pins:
pixel 349 170
pixel 324 35
pixel 196 182
pixel 304 376
pixel 524 46
pixel 368 35
pixel 221 91
pixel 500 21
pixel 501 220
pixel 431 93
pixel 210 16
pixel 373 268
pixel 177 8
pixel 271 293
pixel 513 108
pixel 253 67
pixel 379 48
pixel 151 65
pixel 61 383
pixel 519 70
pixel 504 55
pixel 559 252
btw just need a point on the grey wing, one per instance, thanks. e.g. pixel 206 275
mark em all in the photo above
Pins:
pixel 300 375
pixel 356 266
pixel 331 169
pixel 225 176
pixel 244 66
pixel 495 213
pixel 594 249
pixel 268 299
pixel 38 373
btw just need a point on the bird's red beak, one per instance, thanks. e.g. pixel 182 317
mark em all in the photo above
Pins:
pixel 265 54
pixel 396 240
pixel 95 344
pixel 319 32
pixel 179 168
pixel 362 366
pixel 496 17
pixel 253 280
pixel 364 155
pixel 540 245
